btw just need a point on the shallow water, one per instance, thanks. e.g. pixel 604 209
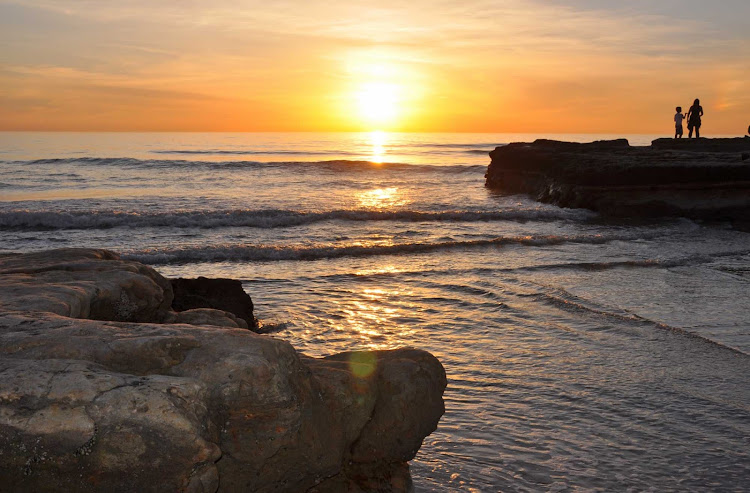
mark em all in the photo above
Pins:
pixel 582 354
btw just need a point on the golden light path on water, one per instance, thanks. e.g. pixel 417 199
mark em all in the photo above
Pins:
pixel 374 319
pixel 368 315
pixel 378 140
pixel 382 198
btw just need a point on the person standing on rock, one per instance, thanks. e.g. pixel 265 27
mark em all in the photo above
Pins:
pixel 694 119
pixel 678 117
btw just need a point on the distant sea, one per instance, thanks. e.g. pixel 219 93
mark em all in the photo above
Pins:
pixel 582 353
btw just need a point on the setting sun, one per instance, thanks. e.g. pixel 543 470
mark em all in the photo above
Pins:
pixel 378 103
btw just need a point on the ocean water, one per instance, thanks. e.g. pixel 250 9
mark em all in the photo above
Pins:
pixel 582 354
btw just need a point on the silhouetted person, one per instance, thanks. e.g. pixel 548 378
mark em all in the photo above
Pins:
pixel 694 119
pixel 678 123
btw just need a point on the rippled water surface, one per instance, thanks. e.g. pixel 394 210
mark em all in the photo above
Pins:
pixel 582 354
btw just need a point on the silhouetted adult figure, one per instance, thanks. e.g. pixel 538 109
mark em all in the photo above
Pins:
pixel 694 119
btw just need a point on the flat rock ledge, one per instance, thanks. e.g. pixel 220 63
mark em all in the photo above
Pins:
pixel 101 391
pixel 700 178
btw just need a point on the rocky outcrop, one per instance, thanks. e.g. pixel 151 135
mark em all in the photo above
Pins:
pixel 703 178
pixel 93 405
pixel 220 294
pixel 738 144
pixel 84 283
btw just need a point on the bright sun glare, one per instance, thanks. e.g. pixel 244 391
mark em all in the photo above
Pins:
pixel 378 102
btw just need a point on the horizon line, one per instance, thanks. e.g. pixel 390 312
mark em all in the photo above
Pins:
pixel 347 132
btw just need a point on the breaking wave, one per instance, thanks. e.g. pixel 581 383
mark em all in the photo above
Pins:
pixel 244 253
pixel 332 164
pixel 241 152
pixel 272 218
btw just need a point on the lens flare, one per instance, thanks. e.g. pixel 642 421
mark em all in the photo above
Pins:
pixel 362 364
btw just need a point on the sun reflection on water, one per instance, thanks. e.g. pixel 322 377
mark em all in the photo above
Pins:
pixel 378 141
pixel 374 319
pixel 382 198
pixel 382 269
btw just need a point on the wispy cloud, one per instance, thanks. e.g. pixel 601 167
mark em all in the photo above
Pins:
pixel 457 59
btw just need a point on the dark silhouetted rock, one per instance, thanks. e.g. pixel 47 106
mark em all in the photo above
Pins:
pixel 668 178
pixel 737 144
pixel 220 294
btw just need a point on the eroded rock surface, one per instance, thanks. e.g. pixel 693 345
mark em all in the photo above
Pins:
pixel 705 178
pixel 84 283
pixel 91 405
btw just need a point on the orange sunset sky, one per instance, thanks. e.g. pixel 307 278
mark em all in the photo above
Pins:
pixel 457 66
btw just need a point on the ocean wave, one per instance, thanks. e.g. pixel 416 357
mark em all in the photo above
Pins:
pixel 397 150
pixel 258 253
pixel 331 164
pixel 648 263
pixel 263 218
pixel 661 263
pixel 600 266
pixel 241 152
pixel 459 145
pixel 571 303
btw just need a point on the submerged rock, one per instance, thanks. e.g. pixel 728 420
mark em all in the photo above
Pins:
pixel 705 178
pixel 91 405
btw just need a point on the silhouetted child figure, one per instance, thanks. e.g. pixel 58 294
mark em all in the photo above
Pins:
pixel 678 123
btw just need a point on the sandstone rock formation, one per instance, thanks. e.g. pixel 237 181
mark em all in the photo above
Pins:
pixel 94 405
pixel 83 283
pixel 705 178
